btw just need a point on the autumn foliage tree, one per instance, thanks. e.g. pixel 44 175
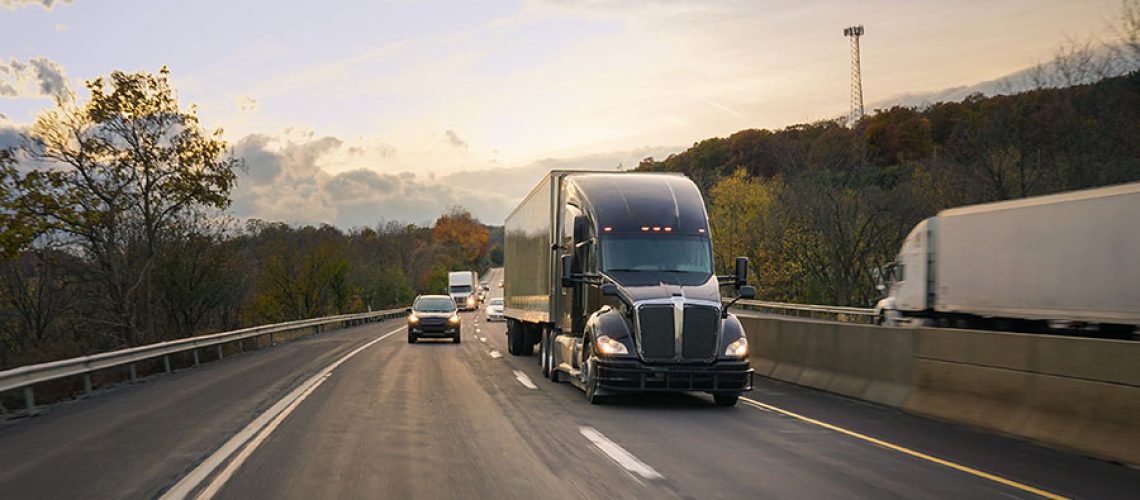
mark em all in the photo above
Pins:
pixel 460 230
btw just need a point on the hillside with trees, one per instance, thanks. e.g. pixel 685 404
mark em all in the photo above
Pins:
pixel 820 207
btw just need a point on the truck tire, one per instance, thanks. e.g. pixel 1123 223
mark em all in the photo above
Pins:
pixel 455 339
pixel 591 379
pixel 544 353
pixel 412 338
pixel 726 399
pixel 516 338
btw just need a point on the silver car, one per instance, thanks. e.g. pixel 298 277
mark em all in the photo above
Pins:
pixel 494 309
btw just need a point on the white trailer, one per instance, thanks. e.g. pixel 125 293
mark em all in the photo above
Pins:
pixel 1069 259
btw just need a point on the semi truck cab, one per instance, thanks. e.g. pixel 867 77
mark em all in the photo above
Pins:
pixel 634 304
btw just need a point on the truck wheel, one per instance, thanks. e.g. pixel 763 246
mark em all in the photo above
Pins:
pixel 589 368
pixel 544 353
pixel 412 338
pixel 455 339
pixel 726 399
pixel 515 338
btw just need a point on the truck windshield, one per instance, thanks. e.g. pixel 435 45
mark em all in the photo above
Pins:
pixel 657 254
pixel 434 304
pixel 461 289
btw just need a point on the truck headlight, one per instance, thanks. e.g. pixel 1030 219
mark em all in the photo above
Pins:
pixel 412 318
pixel 737 349
pixel 470 300
pixel 454 319
pixel 610 347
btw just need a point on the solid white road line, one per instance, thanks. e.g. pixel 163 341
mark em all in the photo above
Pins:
pixel 524 380
pixel 618 454
pixel 252 434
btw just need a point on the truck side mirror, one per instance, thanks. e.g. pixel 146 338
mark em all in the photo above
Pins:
pixel 609 290
pixel 567 263
pixel 746 292
pixel 742 272
pixel 581 231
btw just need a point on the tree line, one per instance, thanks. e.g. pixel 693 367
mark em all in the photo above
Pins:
pixel 821 207
pixel 113 233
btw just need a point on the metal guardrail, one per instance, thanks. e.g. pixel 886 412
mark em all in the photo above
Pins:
pixel 27 376
pixel 834 313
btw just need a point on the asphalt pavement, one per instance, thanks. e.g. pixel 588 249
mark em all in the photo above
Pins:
pixel 360 413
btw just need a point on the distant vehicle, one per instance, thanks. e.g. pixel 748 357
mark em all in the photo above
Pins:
pixel 483 290
pixel 612 276
pixel 1063 260
pixel 433 316
pixel 461 288
pixel 494 309
pixel 500 283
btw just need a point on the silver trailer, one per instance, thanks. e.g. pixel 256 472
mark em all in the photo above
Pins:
pixel 1062 260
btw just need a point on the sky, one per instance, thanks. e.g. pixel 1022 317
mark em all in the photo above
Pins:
pixel 350 113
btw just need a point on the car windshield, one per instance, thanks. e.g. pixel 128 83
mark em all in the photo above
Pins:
pixel 434 304
pixel 657 254
pixel 460 288
pixel 496 302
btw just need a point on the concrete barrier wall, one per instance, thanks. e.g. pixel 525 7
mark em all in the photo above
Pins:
pixel 1073 393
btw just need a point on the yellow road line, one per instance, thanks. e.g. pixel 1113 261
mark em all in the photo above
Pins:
pixel 907 451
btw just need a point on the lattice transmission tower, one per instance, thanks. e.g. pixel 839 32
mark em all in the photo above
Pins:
pixel 854 32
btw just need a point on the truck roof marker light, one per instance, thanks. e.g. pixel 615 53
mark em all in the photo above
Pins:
pixel 645 228
pixel 607 229
pixel 701 230
pixel 668 229
pixel 657 229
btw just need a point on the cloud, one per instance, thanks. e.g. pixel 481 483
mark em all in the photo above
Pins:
pixel 455 141
pixel 10 135
pixel 247 104
pixel 39 77
pixel 16 4
pixel 288 178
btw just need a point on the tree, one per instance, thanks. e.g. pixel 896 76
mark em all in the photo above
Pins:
pixel 121 170
pixel 460 229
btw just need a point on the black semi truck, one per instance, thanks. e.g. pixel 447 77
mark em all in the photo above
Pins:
pixel 611 276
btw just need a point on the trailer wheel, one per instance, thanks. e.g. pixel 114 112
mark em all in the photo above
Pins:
pixel 516 339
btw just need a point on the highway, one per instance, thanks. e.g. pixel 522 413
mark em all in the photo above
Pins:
pixel 360 413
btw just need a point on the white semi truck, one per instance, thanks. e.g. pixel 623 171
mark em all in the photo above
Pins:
pixel 461 288
pixel 1068 260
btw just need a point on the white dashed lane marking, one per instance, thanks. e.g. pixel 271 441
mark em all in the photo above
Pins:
pixel 524 380
pixel 618 454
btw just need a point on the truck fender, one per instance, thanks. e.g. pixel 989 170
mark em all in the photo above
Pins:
pixel 730 331
pixel 611 323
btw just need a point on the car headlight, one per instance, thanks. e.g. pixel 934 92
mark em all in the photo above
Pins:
pixel 737 349
pixel 609 347
pixel 454 319
pixel 412 318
